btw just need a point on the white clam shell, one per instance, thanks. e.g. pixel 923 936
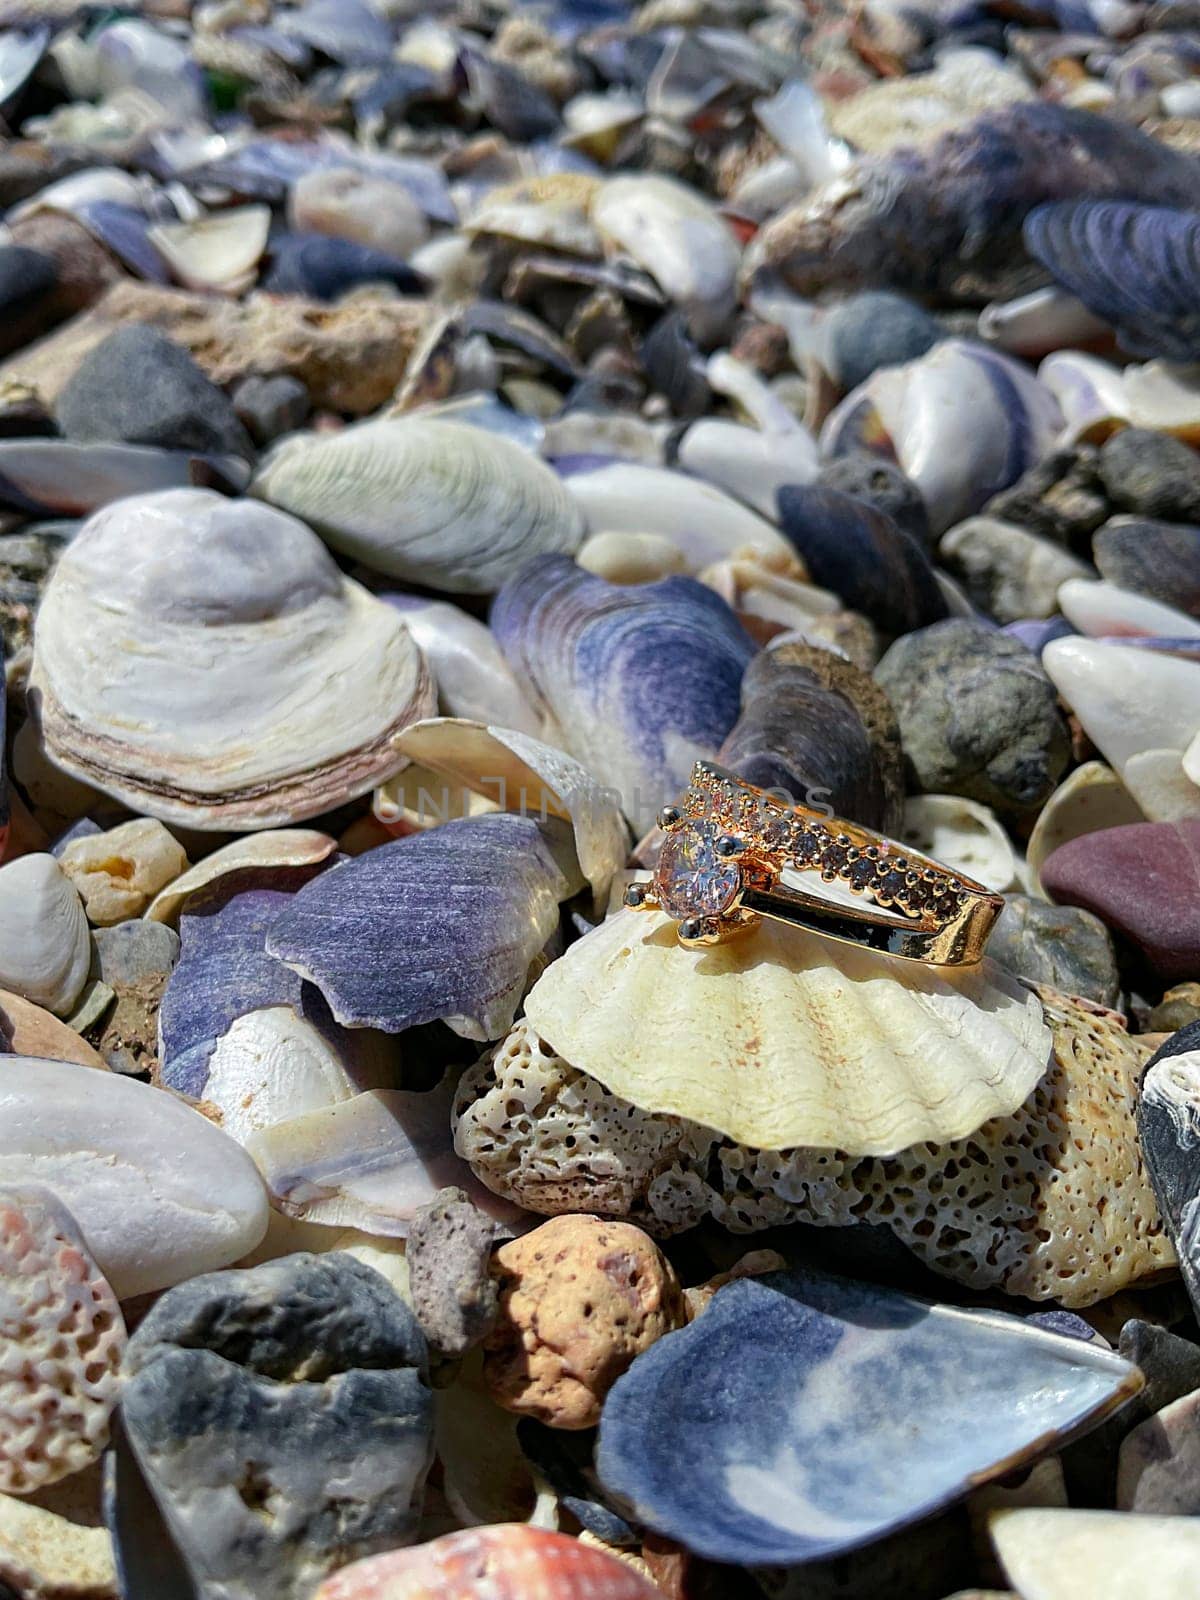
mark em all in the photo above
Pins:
pixel 784 1038
pixel 369 1162
pixel 1092 798
pixel 522 774
pixel 350 204
pixel 221 251
pixel 680 240
pixel 282 847
pixel 1056 1554
pixel 273 1064
pixel 264 686
pixel 1129 702
pixel 473 678
pixel 747 462
pixel 433 502
pixel 1047 319
pixel 45 946
pixel 1097 397
pixel 705 523
pixel 1097 607
pixel 962 834
pixel 159 1193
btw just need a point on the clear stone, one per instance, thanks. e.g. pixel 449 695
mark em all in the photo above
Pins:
pixel 692 880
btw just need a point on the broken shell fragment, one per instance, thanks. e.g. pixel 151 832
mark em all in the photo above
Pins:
pixel 437 926
pixel 220 251
pixel 282 847
pixel 433 502
pixel 233 711
pixel 785 1038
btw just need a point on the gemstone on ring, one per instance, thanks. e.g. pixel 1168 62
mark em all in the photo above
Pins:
pixel 691 879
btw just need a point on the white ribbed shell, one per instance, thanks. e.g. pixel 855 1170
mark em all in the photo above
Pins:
pixel 437 503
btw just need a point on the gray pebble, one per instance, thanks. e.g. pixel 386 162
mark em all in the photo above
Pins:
pixel 978 716
pixel 1158 1472
pixel 282 1418
pixel 1063 946
pixel 873 330
pixel 269 407
pixel 448 1251
pixel 1151 473
pixel 134 960
pixel 139 387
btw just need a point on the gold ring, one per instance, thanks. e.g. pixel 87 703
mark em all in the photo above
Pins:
pixel 728 844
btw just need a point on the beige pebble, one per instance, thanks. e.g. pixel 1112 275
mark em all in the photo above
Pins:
pixel 118 873
pixel 45 1557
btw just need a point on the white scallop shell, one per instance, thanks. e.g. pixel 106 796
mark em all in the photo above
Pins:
pixel 680 239
pixel 522 774
pixel 159 1193
pixel 962 834
pixel 45 946
pixel 221 251
pixel 1092 798
pixel 284 847
pixel 783 1038
pixel 704 522
pixel 438 503
pixel 204 661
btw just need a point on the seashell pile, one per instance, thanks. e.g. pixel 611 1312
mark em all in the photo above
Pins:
pixel 599 800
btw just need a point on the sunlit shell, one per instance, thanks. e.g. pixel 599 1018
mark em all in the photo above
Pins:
pixel 631 557
pixel 257 733
pixel 635 682
pixel 438 926
pixel 551 210
pixel 1097 398
pixel 438 503
pixel 220 251
pixel 524 775
pixel 702 520
pixel 45 947
pixel 785 1038
pixel 286 847
pixel 1091 798
pixel 963 422
pixel 961 834
pixel 917 109
pixel 675 233
pixel 862 1410
pixel 1050 1203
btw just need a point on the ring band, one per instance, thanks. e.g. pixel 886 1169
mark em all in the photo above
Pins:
pixel 728 844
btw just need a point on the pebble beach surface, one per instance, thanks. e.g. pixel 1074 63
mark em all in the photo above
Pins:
pixel 427 431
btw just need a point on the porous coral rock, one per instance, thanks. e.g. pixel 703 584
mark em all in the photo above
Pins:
pixel 61 1338
pixel 118 873
pixel 1052 1202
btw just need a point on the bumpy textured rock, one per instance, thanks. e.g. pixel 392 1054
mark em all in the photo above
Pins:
pixel 1006 570
pixel 349 357
pixel 45 1557
pixel 1159 1467
pixel 449 1251
pixel 1153 474
pixel 61 1338
pixel 579 1299
pixel 1143 881
pixel 977 715
pixel 282 1418
pixel 881 484
pixel 1014 1207
pixel 1061 498
pixel 118 873
pixel 1176 1009
pixel 1062 946
pixel 139 387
